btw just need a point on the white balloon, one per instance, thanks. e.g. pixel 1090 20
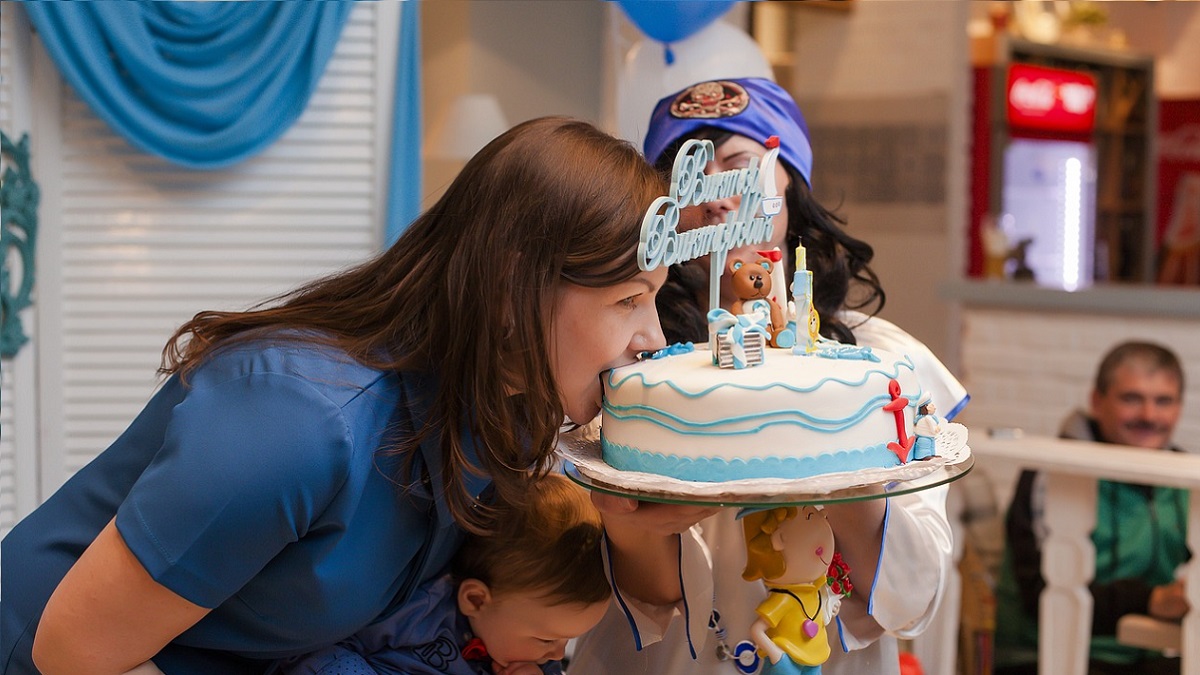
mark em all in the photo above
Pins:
pixel 720 50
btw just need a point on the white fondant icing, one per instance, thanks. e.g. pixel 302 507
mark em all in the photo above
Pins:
pixel 682 416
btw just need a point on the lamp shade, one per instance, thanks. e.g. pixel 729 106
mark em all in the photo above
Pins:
pixel 472 121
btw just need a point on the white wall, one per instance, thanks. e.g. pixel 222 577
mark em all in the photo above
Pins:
pixel 1028 369
pixel 1170 31
pixel 537 57
pixel 886 63
pixel 540 58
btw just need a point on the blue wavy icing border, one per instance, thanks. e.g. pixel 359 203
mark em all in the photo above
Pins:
pixel 715 469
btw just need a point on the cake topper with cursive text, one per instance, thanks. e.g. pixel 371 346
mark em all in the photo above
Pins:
pixel 750 223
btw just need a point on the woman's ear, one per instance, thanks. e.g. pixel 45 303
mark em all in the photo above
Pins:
pixel 473 596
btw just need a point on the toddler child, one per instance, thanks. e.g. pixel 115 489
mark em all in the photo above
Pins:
pixel 513 598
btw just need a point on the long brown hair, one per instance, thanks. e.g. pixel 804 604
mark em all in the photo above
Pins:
pixel 468 293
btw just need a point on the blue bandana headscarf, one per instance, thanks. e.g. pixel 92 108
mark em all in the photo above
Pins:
pixel 752 107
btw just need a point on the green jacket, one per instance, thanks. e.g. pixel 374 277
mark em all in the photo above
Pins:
pixel 1140 541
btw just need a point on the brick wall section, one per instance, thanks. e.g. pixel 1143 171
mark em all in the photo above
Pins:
pixel 1029 369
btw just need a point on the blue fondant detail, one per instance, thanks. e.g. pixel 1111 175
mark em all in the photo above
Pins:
pixel 713 469
pixel 922 449
pixel 848 353
pixel 671 350
pixel 787 666
pixel 617 378
pixel 753 423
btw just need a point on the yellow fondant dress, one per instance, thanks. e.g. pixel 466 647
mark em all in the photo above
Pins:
pixel 786 610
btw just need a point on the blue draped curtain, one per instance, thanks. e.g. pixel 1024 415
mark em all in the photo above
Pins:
pixel 404 191
pixel 209 84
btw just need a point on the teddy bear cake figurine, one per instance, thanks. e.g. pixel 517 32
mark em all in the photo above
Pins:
pixel 753 283
pixel 791 550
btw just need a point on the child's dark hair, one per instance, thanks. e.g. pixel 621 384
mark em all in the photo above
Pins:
pixel 552 545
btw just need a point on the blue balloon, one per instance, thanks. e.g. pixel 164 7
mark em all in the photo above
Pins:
pixel 673 20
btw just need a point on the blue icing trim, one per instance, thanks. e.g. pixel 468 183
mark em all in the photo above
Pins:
pixel 759 421
pixel 849 353
pixel 634 374
pixel 711 470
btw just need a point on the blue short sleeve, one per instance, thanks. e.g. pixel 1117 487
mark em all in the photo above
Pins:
pixel 246 466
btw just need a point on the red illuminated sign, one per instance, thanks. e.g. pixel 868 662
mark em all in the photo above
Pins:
pixel 1050 99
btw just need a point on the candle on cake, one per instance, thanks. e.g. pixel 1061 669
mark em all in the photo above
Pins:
pixel 806 321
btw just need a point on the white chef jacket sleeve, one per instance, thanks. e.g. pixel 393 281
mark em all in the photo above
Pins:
pixel 648 623
pixel 915 559
pixel 916 555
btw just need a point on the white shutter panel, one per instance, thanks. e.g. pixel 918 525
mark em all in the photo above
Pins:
pixel 7 449
pixel 141 245
pixel 18 459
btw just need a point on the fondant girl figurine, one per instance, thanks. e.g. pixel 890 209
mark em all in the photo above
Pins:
pixel 310 463
pixel 791 550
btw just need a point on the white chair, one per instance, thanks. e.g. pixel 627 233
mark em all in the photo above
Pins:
pixel 1139 630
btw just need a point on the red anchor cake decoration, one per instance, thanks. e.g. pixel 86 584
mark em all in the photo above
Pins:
pixel 896 406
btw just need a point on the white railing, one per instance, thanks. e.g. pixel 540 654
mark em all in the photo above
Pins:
pixel 1068 557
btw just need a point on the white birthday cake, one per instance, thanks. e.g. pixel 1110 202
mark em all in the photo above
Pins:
pixel 767 398
pixel 839 408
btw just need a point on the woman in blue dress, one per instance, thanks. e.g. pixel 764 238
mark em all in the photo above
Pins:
pixel 309 463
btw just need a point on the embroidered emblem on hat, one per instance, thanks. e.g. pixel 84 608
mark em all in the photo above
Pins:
pixel 710 100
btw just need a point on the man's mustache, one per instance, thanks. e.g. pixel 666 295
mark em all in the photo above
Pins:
pixel 1146 425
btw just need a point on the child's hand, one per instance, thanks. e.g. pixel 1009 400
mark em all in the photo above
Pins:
pixel 518 668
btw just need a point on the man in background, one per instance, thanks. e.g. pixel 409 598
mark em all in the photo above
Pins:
pixel 1141 530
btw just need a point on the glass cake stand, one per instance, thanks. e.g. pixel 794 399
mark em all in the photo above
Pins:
pixel 583 464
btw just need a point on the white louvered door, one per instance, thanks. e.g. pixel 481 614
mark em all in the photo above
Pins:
pixel 133 246
pixel 18 458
